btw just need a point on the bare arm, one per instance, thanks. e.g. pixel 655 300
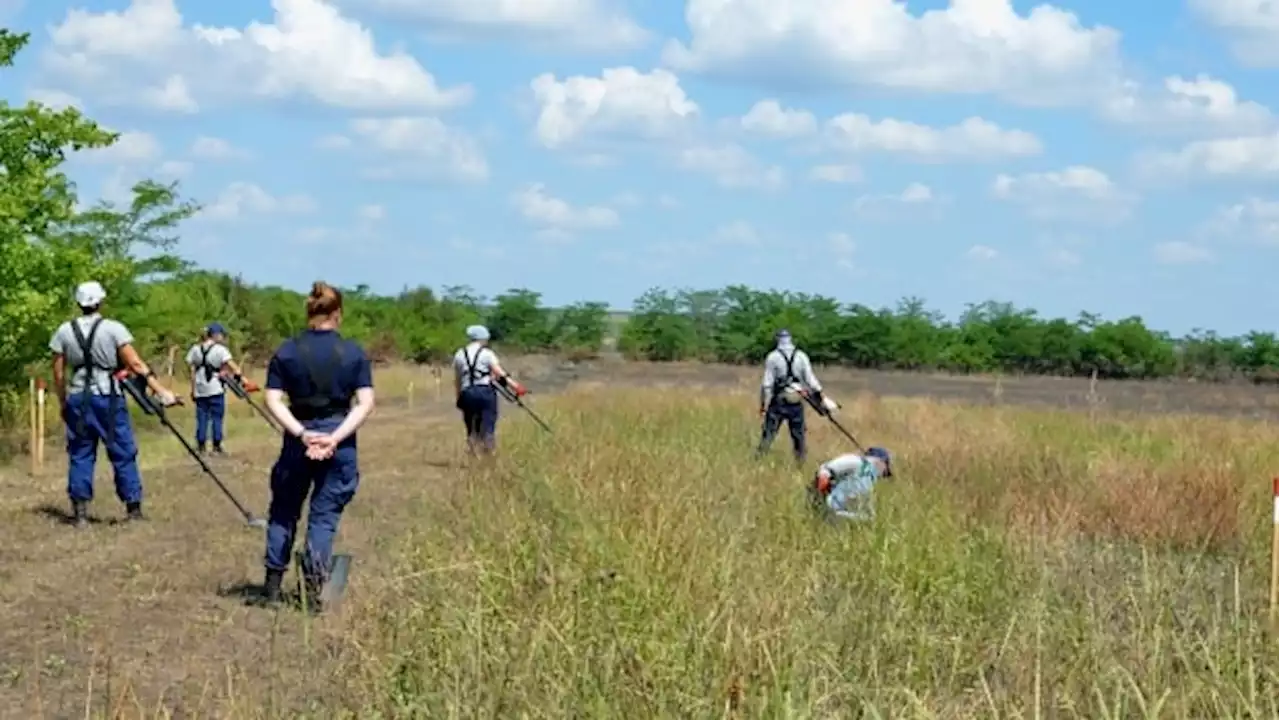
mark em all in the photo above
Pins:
pixel 60 377
pixel 235 368
pixel 275 405
pixel 357 416
pixel 810 378
pixel 131 360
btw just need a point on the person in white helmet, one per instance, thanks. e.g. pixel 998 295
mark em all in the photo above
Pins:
pixel 788 383
pixel 475 370
pixel 91 401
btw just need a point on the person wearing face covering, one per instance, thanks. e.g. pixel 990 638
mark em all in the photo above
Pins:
pixel 788 380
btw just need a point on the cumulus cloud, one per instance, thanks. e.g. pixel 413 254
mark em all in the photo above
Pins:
pixel 770 119
pixel 972 139
pixel 557 217
pixel 738 233
pixel 983 253
pixel 1252 27
pixel 1077 191
pixel 241 200
pixel 1252 219
pixel 212 148
pixel 836 173
pixel 1246 157
pixel 1202 104
pixel 145 55
pixel 731 166
pixel 415 148
pixel 622 103
pixel 970 47
pixel 915 194
pixel 585 25
pixel 130 148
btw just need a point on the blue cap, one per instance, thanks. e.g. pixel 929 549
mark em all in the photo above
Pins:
pixel 215 329
pixel 883 455
pixel 783 334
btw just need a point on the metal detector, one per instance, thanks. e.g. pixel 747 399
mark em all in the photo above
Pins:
pixel 818 408
pixel 238 389
pixel 512 397
pixel 135 386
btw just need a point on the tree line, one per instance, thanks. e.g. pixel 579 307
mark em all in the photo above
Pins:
pixel 49 243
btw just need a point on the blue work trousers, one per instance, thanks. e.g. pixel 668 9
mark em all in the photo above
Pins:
pixel 778 412
pixel 106 419
pixel 210 411
pixel 331 485
pixel 479 406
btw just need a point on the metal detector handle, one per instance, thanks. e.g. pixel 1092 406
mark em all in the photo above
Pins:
pixel 513 398
pixel 130 383
pixel 824 412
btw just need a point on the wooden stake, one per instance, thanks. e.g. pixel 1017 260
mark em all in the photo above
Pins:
pixel 1275 555
pixel 40 422
pixel 31 406
pixel 410 394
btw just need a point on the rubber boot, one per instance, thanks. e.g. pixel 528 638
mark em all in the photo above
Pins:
pixel 80 514
pixel 133 512
pixel 272 594
pixel 200 448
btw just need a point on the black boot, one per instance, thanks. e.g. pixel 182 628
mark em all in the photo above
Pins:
pixel 217 449
pixel 200 448
pixel 271 594
pixel 133 512
pixel 80 513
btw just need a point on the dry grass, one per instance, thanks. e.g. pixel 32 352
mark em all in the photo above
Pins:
pixel 639 564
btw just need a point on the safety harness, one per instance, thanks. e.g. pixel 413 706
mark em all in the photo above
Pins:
pixel 474 374
pixel 88 364
pixel 320 401
pixel 780 384
pixel 208 369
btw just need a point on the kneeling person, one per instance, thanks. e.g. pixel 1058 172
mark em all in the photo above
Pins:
pixel 843 485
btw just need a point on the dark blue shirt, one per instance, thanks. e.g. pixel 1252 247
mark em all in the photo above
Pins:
pixel 288 372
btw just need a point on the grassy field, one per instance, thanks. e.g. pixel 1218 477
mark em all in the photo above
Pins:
pixel 1026 562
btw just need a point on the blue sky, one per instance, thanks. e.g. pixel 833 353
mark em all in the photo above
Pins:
pixel 1115 157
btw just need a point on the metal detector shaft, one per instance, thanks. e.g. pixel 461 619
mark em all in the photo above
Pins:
pixel 512 397
pixel 151 407
pixel 818 408
pixel 238 390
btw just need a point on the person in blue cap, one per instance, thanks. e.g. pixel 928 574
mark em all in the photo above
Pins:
pixel 92 401
pixel 844 485
pixel 320 372
pixel 475 370
pixel 208 359
pixel 788 381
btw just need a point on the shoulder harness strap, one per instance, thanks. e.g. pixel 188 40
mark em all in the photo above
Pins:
pixel 321 372
pixel 472 373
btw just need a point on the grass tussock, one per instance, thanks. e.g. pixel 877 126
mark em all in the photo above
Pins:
pixel 640 564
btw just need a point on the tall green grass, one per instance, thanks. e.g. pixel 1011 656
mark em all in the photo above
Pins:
pixel 1022 564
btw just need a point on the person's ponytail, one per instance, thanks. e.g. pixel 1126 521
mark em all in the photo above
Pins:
pixel 323 302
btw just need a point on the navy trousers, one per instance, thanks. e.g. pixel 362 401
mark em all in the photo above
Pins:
pixel 479 406
pixel 210 411
pixel 331 484
pixel 106 420
pixel 774 416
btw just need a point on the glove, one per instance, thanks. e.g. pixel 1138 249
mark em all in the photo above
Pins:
pixel 822 483
pixel 518 389
pixel 249 386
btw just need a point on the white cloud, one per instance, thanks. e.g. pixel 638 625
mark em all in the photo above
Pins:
pixel 243 199
pixel 836 173
pixel 1251 26
pixel 372 213
pixel 972 46
pixel 558 217
pixel 982 252
pixel 422 148
pixel 1180 252
pixel 1077 191
pixel 917 194
pixel 1252 219
pixel 588 25
pixel 130 148
pixel 622 103
pixel 770 119
pixel 738 233
pixel 973 138
pixel 175 169
pixel 731 166
pixel 145 55
pixel 1255 156
pixel 1200 104
pixel 333 141
pixel 212 148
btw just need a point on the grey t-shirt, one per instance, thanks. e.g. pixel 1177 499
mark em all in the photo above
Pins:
pixel 775 369
pixel 217 355
pixel 105 350
pixel 484 360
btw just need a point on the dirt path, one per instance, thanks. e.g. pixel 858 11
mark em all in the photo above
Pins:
pixel 155 611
